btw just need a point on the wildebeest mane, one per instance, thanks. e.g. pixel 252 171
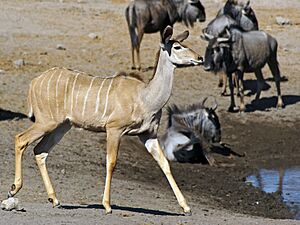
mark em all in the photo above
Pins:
pixel 185 115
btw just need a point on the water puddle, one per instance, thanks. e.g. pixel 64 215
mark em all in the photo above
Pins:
pixel 284 181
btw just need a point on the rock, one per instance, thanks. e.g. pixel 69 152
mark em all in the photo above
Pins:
pixel 93 36
pixel 282 21
pixel 2 72
pixel 19 63
pixel 10 204
pixel 60 47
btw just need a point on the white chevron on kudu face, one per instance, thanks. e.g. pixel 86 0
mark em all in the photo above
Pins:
pixel 60 98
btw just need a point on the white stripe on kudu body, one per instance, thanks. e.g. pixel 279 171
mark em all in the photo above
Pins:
pixel 98 96
pixel 56 92
pixel 129 106
pixel 87 95
pixel 106 99
pixel 48 93
pixel 72 94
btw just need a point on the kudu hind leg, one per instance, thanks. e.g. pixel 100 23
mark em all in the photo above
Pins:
pixel 155 150
pixel 41 152
pixel 113 142
pixel 22 141
pixel 276 74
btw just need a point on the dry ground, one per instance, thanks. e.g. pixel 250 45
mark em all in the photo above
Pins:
pixel 31 30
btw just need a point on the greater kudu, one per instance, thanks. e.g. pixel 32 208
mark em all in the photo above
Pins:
pixel 61 98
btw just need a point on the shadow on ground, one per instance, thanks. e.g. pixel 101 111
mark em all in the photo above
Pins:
pixel 9 115
pixel 264 104
pixel 122 208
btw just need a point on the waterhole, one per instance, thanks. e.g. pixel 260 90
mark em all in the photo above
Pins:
pixel 284 181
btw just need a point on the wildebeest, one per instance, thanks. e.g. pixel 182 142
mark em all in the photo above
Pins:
pixel 241 52
pixel 191 130
pixel 150 16
pixel 234 13
pixel 242 13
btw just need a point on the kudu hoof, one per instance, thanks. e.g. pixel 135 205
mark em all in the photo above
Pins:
pixel 11 192
pixel 188 213
pixel 55 203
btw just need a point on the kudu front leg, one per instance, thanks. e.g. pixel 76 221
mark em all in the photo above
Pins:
pixel 155 150
pixel 113 142
pixel 22 141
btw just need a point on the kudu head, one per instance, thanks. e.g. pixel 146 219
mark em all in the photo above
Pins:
pixel 179 54
pixel 217 51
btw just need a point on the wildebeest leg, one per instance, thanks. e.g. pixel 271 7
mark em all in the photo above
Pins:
pixel 223 83
pixel 41 152
pixel 240 90
pixel 134 44
pixel 231 87
pixel 276 74
pixel 140 37
pixel 260 83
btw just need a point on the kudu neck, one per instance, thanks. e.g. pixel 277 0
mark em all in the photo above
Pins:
pixel 158 91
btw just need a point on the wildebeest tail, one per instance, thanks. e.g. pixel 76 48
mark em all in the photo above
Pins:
pixel 130 15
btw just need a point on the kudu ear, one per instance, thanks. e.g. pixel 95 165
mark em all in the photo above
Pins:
pixel 167 34
pixel 181 37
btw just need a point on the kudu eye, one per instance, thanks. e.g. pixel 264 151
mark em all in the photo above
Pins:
pixel 177 47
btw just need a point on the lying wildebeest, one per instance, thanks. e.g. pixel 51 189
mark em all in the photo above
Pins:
pixel 150 16
pixel 233 13
pixel 191 132
pixel 241 52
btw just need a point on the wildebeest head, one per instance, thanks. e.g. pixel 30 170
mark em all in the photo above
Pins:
pixel 216 51
pixel 196 122
pixel 242 12
pixel 179 54
pixel 192 11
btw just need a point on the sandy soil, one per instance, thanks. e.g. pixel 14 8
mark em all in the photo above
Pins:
pixel 32 29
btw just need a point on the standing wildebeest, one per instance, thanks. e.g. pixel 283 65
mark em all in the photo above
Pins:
pixel 150 16
pixel 61 98
pixel 241 52
pixel 191 130
pixel 233 13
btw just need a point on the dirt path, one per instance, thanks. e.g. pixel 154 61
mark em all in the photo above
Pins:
pixel 31 30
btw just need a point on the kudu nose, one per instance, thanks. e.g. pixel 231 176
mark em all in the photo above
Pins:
pixel 200 59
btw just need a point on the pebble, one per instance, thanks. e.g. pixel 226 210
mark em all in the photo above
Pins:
pixel 282 21
pixel 10 204
pixel 60 47
pixel 2 72
pixel 93 36
pixel 19 63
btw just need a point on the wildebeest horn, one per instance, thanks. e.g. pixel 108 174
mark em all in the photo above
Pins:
pixel 215 106
pixel 206 36
pixel 193 1
pixel 204 100
pixel 222 39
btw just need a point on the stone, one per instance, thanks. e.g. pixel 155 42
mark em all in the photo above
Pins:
pixel 60 47
pixel 93 36
pixel 19 63
pixel 282 21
